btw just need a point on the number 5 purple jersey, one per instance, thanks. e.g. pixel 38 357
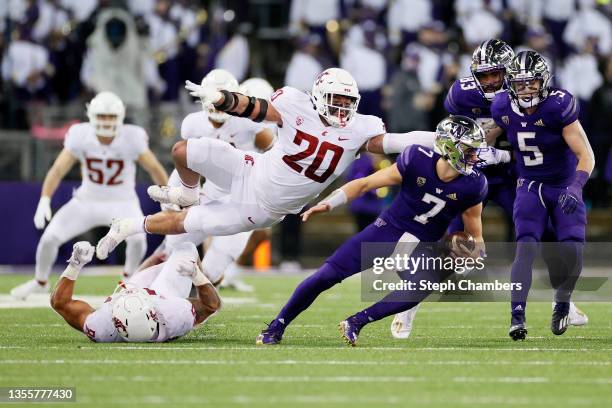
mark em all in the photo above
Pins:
pixel 425 205
pixel 537 139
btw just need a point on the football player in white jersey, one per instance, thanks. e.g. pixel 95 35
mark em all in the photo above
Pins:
pixel 152 306
pixel 319 135
pixel 107 150
pixel 243 134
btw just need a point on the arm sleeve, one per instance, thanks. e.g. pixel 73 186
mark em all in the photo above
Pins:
pixel 141 142
pixel 403 160
pixel 398 142
pixel 450 102
pixel 71 142
pixel 496 111
pixel 481 193
pixel 570 109
pixel 288 100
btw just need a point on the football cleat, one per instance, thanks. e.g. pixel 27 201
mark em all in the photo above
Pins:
pixel 576 316
pixel 402 323
pixel 28 288
pixel 349 331
pixel 119 230
pixel 518 327
pixel 560 318
pixel 183 197
pixel 271 335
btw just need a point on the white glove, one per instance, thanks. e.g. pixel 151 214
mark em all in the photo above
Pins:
pixel 170 207
pixel 208 94
pixel 43 212
pixel 82 254
pixel 190 269
pixel 491 156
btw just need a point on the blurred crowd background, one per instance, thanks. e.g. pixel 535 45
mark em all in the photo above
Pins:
pixel 404 54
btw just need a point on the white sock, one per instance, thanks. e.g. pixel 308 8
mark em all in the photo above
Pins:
pixel 190 191
pixel 46 253
pixel 232 272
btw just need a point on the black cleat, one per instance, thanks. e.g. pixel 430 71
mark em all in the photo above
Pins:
pixel 518 332
pixel 518 327
pixel 560 318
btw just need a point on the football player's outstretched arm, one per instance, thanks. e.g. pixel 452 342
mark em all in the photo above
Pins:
pixel 388 176
pixel 236 104
pixel 472 223
pixel 156 171
pixel 492 131
pixel 63 163
pixel 395 143
pixel 577 140
pixel 73 311
pixel 208 300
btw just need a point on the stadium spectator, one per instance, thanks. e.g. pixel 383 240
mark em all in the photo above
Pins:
pixel 589 24
pixel 163 37
pixel 117 60
pixel 555 15
pixel 406 105
pixel 234 56
pixel 52 17
pixel 405 18
pixel 480 25
pixel 370 77
pixel 304 65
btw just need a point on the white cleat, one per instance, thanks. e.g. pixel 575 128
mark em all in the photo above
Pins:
pixel 24 290
pixel 237 284
pixel 401 327
pixel 119 230
pixel 174 195
pixel 576 316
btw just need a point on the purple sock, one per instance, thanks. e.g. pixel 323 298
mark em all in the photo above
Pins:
pixel 526 251
pixel 307 291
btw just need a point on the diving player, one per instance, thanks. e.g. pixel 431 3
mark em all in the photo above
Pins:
pixel 554 162
pixel 436 185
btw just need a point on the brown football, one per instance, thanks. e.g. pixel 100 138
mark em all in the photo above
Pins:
pixel 460 242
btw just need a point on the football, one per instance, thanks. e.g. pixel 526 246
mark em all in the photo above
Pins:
pixel 460 243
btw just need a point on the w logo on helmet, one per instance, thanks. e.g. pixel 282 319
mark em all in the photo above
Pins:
pixel 458 129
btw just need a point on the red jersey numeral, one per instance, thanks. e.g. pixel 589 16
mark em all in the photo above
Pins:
pixel 96 174
pixel 313 143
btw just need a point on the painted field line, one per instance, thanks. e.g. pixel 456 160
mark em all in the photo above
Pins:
pixel 42 301
pixel 307 362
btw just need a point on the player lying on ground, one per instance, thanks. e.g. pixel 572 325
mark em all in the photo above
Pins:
pixel 153 306
pixel 554 162
pixel 219 261
pixel 319 137
pixel 435 187
pixel 107 150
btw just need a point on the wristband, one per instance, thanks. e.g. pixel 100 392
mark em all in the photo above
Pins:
pixel 504 156
pixel 71 272
pixel 335 199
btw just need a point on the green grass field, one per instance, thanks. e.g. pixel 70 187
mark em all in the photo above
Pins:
pixel 458 355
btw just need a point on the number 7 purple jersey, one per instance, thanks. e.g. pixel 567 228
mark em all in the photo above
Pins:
pixel 537 139
pixel 425 205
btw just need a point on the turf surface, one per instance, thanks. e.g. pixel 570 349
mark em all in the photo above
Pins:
pixel 458 355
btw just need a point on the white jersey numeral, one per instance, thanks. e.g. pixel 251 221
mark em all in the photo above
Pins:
pixel 427 153
pixel 538 157
pixel 438 206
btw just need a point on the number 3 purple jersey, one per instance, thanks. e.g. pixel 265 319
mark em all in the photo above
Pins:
pixel 542 154
pixel 465 99
pixel 425 205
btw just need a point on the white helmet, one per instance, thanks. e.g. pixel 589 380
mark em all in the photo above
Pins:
pixel 331 82
pixel 257 87
pixel 134 315
pixel 218 79
pixel 106 103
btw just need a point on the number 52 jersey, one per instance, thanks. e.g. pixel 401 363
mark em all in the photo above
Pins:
pixel 537 139
pixel 108 171
pixel 308 155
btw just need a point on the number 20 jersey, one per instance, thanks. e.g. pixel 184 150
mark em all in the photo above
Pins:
pixel 307 155
pixel 537 139
pixel 108 171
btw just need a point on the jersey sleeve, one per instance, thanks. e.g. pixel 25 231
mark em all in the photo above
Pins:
pixel 569 107
pixel 140 143
pixel 480 193
pixel 72 142
pixel 453 99
pixel 497 109
pixel 99 326
pixel 403 159
pixel 373 126
pixel 288 101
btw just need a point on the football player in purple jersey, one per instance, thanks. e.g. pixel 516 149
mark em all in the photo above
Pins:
pixel 436 186
pixel 554 162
